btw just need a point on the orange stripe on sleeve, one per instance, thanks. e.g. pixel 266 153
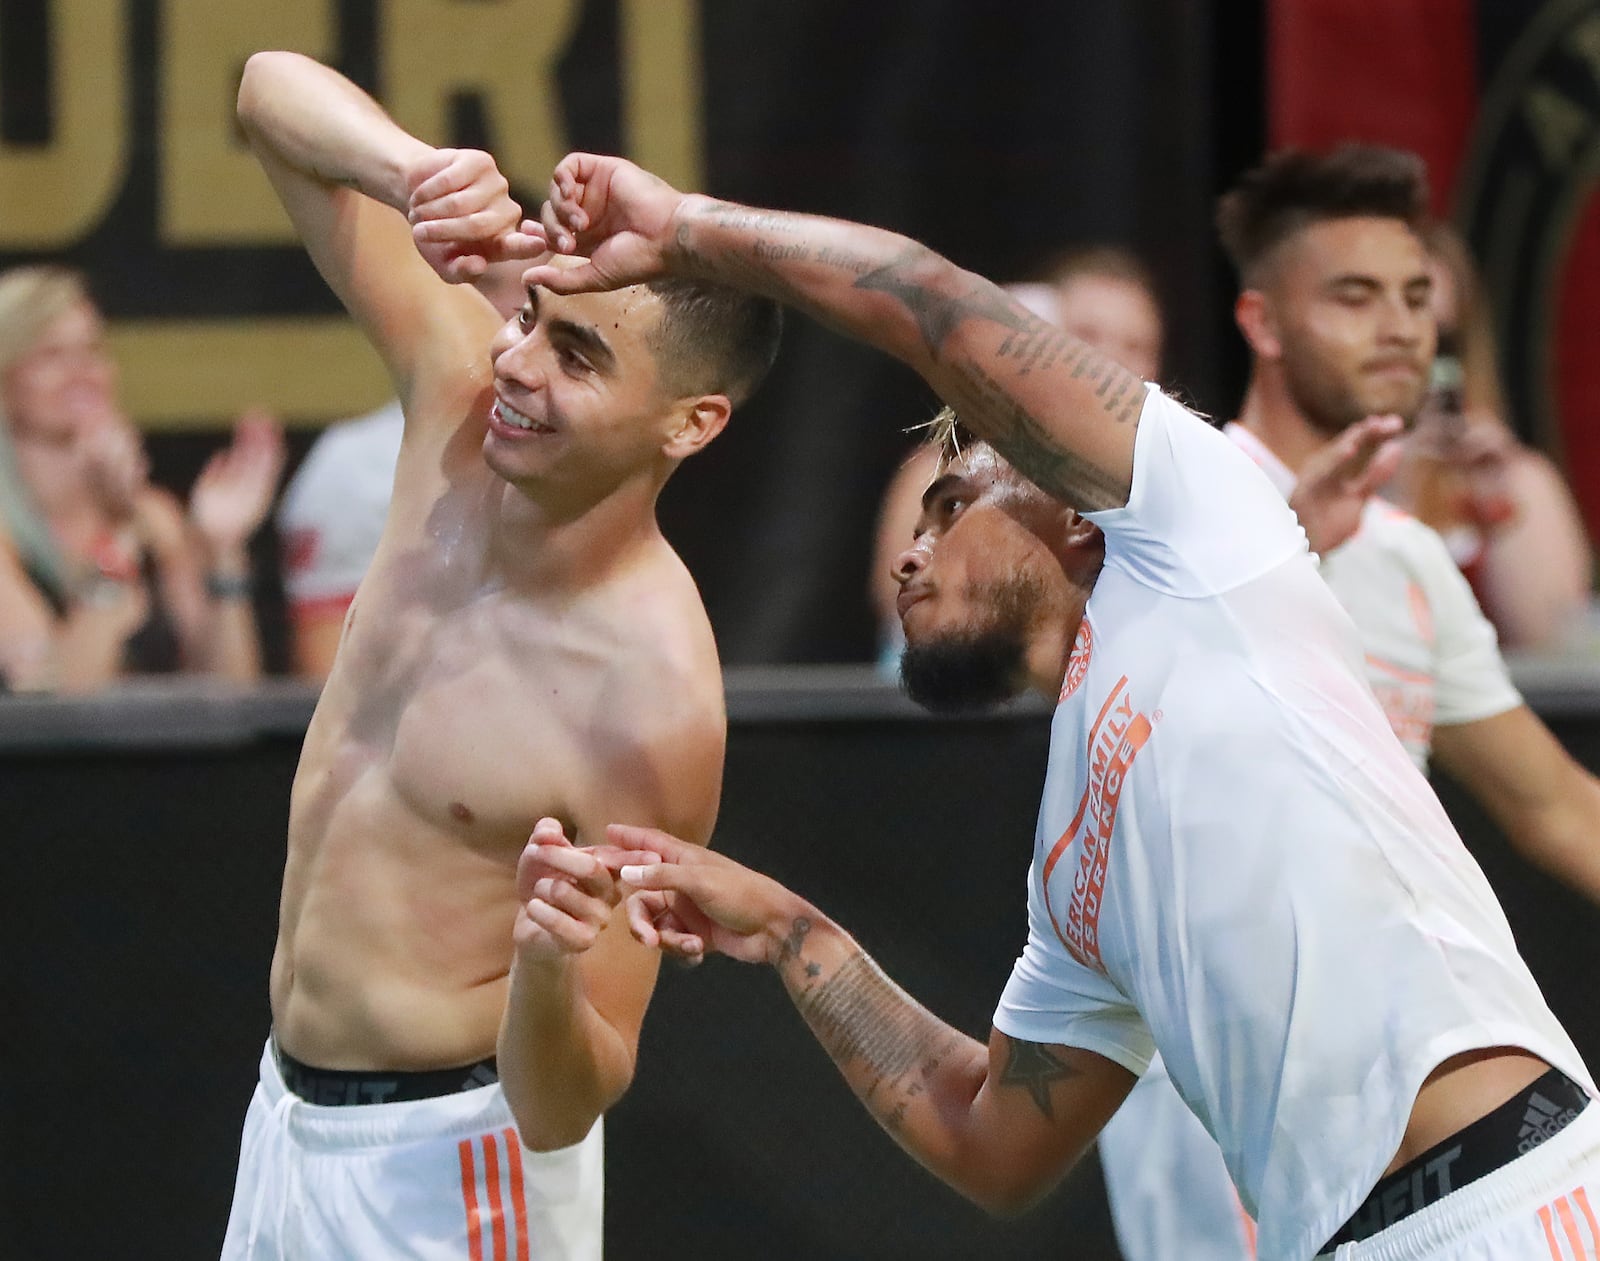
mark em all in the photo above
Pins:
pixel 519 1207
pixel 1570 1225
pixel 469 1197
pixel 1582 1196
pixel 491 1178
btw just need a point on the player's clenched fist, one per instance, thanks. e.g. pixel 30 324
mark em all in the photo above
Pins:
pixel 462 214
pixel 610 212
pixel 565 895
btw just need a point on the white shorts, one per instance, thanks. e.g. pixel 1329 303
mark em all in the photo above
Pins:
pixel 1169 1190
pixel 1540 1207
pixel 441 1179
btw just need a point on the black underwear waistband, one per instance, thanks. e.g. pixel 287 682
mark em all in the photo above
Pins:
pixel 1536 1113
pixel 337 1088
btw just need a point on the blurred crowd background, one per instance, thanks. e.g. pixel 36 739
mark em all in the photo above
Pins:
pixel 169 360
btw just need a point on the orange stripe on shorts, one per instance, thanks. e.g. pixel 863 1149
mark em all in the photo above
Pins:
pixel 469 1197
pixel 1570 1225
pixel 1582 1196
pixel 519 1207
pixel 497 1213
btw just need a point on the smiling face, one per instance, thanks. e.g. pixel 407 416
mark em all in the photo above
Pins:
pixel 65 382
pixel 578 393
pixel 979 585
pixel 1351 323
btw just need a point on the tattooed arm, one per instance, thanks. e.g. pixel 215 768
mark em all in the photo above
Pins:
pixel 1000 1124
pixel 1057 410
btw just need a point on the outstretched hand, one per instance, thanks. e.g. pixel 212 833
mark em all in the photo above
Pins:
pixel 463 217
pixel 1337 481
pixel 692 901
pixel 566 894
pixel 610 212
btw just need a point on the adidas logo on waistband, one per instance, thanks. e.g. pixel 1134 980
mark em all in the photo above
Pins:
pixel 1542 1120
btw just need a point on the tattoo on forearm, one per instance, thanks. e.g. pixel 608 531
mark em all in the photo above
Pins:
pixel 1033 345
pixel 1029 343
pixel 1030 448
pixel 877 1035
pixel 1033 1067
pixel 727 214
pixel 843 260
pixel 789 947
pixel 937 314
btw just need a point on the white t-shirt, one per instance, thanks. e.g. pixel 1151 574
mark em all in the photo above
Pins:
pixel 1237 863
pixel 1432 657
pixel 333 511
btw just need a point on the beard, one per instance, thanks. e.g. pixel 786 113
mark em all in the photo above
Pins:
pixel 975 667
pixel 1332 406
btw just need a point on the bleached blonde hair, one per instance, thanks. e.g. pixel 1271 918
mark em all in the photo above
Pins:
pixel 31 299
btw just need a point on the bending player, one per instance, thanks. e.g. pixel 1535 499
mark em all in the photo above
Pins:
pixel 1336 310
pixel 1230 837
pixel 524 647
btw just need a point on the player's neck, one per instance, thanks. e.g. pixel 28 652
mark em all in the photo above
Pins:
pixel 1272 417
pixel 548 541
pixel 1050 644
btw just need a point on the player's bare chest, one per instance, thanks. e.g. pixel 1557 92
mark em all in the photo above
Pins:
pixel 481 717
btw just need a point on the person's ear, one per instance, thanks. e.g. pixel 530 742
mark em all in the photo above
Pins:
pixel 1078 531
pixel 1253 312
pixel 700 420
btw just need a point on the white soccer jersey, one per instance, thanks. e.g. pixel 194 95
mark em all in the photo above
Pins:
pixel 1231 847
pixel 333 511
pixel 1432 657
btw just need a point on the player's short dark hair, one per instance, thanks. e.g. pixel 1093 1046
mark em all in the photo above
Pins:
pixel 713 339
pixel 1293 189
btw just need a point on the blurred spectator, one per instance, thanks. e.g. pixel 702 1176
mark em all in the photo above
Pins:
pixel 1102 295
pixel 333 510
pixel 330 521
pixel 1503 509
pixel 119 578
pixel 1105 296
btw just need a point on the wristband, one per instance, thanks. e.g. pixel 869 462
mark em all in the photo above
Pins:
pixel 228 586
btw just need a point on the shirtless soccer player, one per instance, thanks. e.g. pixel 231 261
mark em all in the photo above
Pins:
pixel 524 649
pixel 1230 836
pixel 1336 310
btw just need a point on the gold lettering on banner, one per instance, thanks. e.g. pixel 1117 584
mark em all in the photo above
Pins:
pixel 179 374
pixel 212 190
pixel 52 195
pixel 504 51
pixel 1559 125
pixel 663 103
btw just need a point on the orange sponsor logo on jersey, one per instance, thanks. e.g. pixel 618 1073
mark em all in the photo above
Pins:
pixel 1114 741
pixel 1078 660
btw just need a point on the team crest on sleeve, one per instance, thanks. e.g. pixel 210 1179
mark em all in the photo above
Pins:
pixel 1118 733
pixel 1078 660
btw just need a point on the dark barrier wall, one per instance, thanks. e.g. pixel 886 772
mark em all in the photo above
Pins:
pixel 138 883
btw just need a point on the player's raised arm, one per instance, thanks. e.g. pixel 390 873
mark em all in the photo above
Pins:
pixel 349 177
pixel 1057 410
